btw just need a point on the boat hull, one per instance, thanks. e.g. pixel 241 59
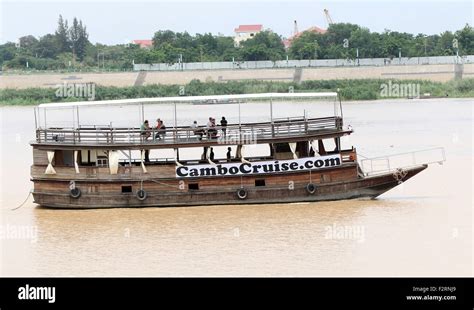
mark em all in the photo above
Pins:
pixel 363 187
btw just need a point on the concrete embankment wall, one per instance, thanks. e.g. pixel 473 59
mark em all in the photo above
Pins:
pixel 441 73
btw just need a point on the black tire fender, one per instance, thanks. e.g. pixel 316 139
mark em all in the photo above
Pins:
pixel 311 188
pixel 75 192
pixel 242 193
pixel 141 194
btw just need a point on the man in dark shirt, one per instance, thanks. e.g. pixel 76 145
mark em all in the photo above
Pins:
pixel 229 156
pixel 224 126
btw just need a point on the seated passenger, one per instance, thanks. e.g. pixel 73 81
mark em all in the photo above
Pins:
pixel 145 130
pixel 197 131
pixel 160 129
pixel 211 128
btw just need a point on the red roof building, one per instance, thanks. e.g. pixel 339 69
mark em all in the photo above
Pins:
pixel 143 43
pixel 244 32
pixel 248 28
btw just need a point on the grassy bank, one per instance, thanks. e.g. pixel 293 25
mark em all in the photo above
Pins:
pixel 368 89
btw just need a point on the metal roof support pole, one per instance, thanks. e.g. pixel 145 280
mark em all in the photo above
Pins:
pixel 73 118
pixel 175 116
pixel 141 113
pixel 239 114
pixel 240 125
pixel 271 110
pixel 39 116
pixel 77 114
pixel 271 117
pixel 36 121
pixel 340 102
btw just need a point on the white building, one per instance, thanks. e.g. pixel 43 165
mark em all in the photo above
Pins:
pixel 244 32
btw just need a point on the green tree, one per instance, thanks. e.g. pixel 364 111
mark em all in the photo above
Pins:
pixel 265 45
pixel 48 47
pixel 465 38
pixel 79 39
pixel 62 35
pixel 363 40
pixel 163 37
pixel 306 46
pixel 28 42
pixel 444 46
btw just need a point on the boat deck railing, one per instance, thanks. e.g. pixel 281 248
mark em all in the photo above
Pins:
pixel 392 163
pixel 107 134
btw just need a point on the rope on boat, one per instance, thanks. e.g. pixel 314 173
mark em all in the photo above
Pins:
pixel 359 154
pixel 157 182
pixel 399 175
pixel 27 197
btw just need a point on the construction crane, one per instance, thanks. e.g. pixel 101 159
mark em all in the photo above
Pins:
pixel 328 17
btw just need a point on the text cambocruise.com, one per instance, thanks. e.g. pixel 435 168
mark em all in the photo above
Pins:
pixel 262 167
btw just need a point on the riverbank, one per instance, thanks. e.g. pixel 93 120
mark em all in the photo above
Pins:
pixel 350 89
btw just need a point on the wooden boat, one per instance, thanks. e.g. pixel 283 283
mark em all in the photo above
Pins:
pixel 80 167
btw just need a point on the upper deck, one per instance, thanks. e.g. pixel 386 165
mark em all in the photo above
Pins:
pixel 277 130
pixel 291 130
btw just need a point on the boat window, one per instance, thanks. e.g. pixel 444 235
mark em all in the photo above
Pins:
pixel 282 151
pixel 126 188
pixel 64 158
pixel 102 161
pixel 193 186
pixel 88 157
pixel 260 182
pixel 282 147
pixel 328 146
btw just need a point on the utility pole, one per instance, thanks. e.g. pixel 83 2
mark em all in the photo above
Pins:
pixel 180 61
pixel 315 49
pixel 456 46
pixel 103 60
pixel 425 44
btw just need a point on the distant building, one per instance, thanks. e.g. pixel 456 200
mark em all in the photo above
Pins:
pixel 244 32
pixel 143 43
pixel 315 29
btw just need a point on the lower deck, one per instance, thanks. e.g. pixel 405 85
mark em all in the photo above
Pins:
pixel 276 189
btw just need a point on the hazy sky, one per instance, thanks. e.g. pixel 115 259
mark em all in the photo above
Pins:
pixel 112 22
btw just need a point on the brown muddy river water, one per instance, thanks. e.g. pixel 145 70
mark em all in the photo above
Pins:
pixel 421 228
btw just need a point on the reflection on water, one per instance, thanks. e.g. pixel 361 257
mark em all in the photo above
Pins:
pixel 421 228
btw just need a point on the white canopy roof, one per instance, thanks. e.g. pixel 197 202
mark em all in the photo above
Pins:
pixel 188 99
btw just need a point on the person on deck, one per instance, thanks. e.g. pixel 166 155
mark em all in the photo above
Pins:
pixel 197 131
pixel 224 126
pixel 160 129
pixel 229 156
pixel 211 128
pixel 145 130
pixel 211 154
